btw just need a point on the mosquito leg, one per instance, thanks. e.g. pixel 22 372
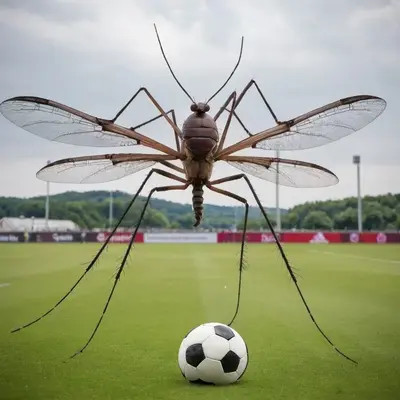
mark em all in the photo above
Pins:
pixel 241 262
pixel 172 166
pixel 232 98
pixel 240 122
pixel 172 112
pixel 123 263
pixel 231 112
pixel 245 90
pixel 155 103
pixel 223 107
pixel 286 261
pixel 177 136
pixel 93 262
pixel 242 176
pixel 238 101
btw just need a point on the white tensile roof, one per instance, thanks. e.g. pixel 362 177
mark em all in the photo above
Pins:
pixel 37 224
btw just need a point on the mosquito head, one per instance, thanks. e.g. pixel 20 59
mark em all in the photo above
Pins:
pixel 200 108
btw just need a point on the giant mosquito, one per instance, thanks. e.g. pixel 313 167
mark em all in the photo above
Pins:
pixel 198 148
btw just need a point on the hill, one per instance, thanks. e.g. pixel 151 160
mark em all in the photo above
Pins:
pixel 91 209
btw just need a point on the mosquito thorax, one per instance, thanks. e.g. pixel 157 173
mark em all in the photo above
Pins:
pixel 200 108
pixel 200 131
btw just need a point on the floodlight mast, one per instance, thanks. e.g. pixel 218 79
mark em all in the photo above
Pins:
pixel 47 204
pixel 357 161
pixel 111 211
pixel 278 210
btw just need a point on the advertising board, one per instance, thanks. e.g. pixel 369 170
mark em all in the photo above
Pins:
pixel 315 237
pixel 118 237
pixel 175 237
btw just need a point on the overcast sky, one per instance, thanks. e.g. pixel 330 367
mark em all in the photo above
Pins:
pixel 93 55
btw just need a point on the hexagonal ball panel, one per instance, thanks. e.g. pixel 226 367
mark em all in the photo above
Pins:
pixel 182 356
pixel 211 371
pixel 189 333
pixel 215 347
pixel 191 373
pixel 199 334
pixel 195 354
pixel 238 346
pixel 224 331
pixel 242 366
pixel 230 362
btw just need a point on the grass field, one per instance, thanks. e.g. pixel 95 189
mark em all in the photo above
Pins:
pixel 353 290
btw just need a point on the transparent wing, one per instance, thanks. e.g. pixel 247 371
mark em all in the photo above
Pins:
pixel 99 168
pixel 315 128
pixel 60 123
pixel 326 124
pixel 292 173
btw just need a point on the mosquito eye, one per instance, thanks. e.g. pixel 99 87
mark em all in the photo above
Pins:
pixel 193 107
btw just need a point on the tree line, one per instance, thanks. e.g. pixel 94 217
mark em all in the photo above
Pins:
pixel 91 210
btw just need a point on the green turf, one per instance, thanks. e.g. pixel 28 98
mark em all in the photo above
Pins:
pixel 169 289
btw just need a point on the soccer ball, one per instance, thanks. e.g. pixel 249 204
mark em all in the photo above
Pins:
pixel 213 353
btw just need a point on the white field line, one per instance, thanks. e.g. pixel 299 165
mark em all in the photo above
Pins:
pixel 4 284
pixel 332 253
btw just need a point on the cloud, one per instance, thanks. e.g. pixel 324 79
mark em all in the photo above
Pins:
pixel 93 55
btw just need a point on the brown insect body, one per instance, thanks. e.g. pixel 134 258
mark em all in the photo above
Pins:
pixel 200 142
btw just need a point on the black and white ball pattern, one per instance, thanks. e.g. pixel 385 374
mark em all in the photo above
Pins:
pixel 213 353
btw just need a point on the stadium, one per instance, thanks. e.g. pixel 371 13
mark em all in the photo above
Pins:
pixel 276 278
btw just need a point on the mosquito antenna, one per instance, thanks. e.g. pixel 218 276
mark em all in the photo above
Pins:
pixel 169 67
pixel 230 76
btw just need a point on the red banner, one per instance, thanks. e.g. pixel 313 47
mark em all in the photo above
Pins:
pixel 251 237
pixel 372 237
pixel 311 237
pixel 118 237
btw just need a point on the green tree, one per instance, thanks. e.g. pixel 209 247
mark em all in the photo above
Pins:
pixel 175 225
pixel 346 219
pixel 290 220
pixel 389 215
pixel 158 219
pixel 373 218
pixel 391 227
pixel 31 209
pixel 317 220
pixel 252 225
pixel 186 221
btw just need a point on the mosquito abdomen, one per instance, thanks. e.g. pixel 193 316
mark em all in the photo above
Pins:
pixel 197 200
